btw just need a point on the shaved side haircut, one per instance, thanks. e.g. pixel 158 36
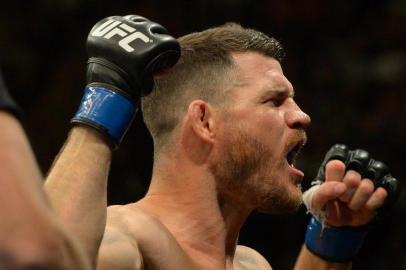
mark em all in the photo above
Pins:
pixel 204 71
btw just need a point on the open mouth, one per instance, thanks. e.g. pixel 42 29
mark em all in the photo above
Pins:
pixel 294 152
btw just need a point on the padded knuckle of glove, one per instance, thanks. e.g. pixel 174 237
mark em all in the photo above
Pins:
pixel 341 244
pixel 133 48
pixel 124 54
pixel 360 161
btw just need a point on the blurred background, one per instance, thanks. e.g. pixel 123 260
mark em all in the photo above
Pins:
pixel 346 59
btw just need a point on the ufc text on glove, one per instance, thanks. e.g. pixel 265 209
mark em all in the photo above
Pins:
pixel 124 53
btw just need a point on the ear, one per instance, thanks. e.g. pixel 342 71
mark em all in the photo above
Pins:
pixel 201 118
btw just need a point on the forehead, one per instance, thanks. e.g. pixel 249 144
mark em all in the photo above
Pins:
pixel 255 69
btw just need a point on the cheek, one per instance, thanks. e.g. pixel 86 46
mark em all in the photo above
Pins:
pixel 272 129
pixel 275 119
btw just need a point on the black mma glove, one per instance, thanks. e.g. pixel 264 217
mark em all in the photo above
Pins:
pixel 341 244
pixel 360 161
pixel 6 102
pixel 124 53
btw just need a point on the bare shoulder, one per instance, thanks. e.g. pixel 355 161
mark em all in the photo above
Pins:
pixel 247 258
pixel 135 222
pixel 146 229
pixel 122 216
pixel 119 249
pixel 137 238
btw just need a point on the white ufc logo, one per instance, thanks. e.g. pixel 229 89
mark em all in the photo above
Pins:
pixel 112 27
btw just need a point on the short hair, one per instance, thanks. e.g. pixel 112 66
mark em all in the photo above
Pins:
pixel 205 66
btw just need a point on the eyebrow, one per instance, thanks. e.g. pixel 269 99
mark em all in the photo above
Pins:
pixel 278 92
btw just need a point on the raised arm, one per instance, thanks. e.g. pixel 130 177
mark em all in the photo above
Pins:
pixel 77 186
pixel 123 54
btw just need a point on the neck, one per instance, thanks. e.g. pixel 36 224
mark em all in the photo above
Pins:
pixel 184 196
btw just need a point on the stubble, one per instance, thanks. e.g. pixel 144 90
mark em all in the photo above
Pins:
pixel 247 174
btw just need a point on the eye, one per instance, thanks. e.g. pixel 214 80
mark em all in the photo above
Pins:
pixel 275 102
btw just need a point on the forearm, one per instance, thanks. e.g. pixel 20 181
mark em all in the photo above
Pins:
pixel 309 261
pixel 77 186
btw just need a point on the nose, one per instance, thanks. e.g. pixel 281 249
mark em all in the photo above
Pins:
pixel 295 118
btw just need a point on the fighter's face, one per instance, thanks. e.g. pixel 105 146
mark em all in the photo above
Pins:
pixel 260 132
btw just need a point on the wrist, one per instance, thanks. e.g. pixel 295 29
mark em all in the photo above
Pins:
pixel 107 111
pixel 336 244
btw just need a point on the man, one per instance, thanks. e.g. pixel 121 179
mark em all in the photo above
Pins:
pixel 31 235
pixel 226 132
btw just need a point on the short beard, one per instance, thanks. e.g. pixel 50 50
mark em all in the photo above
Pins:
pixel 279 201
pixel 244 173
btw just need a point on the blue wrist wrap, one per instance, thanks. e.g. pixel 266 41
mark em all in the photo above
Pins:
pixel 106 110
pixel 334 244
